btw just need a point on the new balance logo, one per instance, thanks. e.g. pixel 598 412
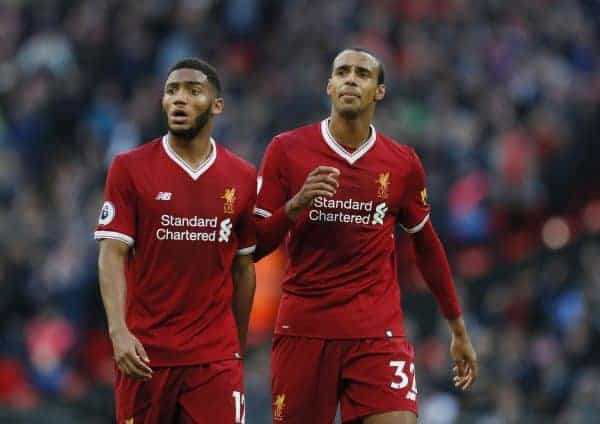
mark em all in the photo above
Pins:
pixel 163 195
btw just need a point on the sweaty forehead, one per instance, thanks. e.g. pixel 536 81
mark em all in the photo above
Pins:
pixel 355 58
pixel 186 75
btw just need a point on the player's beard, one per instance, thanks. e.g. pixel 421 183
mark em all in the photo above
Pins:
pixel 349 114
pixel 199 123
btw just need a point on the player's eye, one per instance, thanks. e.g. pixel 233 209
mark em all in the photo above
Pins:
pixel 195 92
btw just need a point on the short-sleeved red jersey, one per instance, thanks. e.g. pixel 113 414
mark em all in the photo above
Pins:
pixel 341 280
pixel 185 227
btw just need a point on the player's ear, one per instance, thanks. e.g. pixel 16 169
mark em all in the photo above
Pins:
pixel 379 92
pixel 329 89
pixel 217 106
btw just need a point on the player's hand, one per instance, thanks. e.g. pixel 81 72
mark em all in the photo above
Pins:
pixel 322 181
pixel 465 361
pixel 130 355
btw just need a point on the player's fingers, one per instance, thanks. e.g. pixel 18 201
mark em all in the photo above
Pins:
pixel 140 364
pixel 324 170
pixel 471 376
pixel 125 367
pixel 458 382
pixel 467 383
pixel 137 367
pixel 139 348
pixel 322 187
pixel 460 367
pixel 122 368
pixel 323 178
pixel 319 193
pixel 474 367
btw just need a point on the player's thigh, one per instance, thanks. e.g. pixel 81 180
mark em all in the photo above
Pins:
pixel 304 380
pixel 147 401
pixel 378 377
pixel 213 393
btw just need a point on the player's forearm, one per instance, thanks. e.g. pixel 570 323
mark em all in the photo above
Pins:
pixel 244 285
pixel 433 264
pixel 113 286
pixel 270 232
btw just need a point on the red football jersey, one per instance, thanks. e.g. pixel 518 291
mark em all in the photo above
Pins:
pixel 185 227
pixel 341 280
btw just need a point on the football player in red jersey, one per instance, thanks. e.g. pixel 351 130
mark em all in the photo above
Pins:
pixel 176 271
pixel 338 189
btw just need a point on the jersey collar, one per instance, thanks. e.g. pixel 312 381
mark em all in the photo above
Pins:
pixel 340 150
pixel 192 172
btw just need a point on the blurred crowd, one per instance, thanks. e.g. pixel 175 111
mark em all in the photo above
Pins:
pixel 500 99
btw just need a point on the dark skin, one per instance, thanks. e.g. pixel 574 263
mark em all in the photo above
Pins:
pixel 188 95
pixel 190 102
pixel 354 92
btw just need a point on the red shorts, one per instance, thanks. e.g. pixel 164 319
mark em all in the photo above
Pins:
pixel 201 394
pixel 366 376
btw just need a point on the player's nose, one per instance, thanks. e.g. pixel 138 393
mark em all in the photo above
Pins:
pixel 351 79
pixel 180 100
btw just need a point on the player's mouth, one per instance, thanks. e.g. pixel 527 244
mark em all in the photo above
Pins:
pixel 179 116
pixel 351 95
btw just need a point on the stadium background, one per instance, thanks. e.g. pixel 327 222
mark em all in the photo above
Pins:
pixel 500 98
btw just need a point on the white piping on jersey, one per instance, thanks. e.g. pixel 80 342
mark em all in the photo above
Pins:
pixel 340 150
pixel 262 212
pixel 417 227
pixel 194 173
pixel 246 250
pixel 99 235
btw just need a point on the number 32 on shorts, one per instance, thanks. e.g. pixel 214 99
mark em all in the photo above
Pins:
pixel 404 378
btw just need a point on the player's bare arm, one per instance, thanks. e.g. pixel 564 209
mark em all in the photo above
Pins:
pixel 322 181
pixel 129 354
pixel 464 356
pixel 244 281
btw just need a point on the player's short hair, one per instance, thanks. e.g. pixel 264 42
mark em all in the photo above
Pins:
pixel 381 75
pixel 202 66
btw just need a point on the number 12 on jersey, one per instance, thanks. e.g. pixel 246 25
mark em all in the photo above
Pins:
pixel 240 407
pixel 404 378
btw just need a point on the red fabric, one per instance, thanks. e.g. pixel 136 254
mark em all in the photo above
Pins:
pixel 367 376
pixel 187 228
pixel 270 232
pixel 433 264
pixel 341 281
pixel 193 394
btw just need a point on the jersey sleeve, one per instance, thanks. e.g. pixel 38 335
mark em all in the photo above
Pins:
pixel 272 185
pixel 118 213
pixel 246 230
pixel 415 209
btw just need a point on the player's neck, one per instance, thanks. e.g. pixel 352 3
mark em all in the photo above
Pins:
pixel 195 151
pixel 350 132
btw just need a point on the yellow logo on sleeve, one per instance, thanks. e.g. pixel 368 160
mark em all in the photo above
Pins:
pixel 424 197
